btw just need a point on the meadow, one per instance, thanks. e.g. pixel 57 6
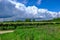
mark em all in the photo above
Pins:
pixel 44 30
pixel 34 32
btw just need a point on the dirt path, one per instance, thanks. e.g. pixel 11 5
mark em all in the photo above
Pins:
pixel 8 31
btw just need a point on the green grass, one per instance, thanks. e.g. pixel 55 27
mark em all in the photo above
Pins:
pixel 43 32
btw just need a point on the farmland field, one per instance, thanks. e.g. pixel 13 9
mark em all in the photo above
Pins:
pixel 34 32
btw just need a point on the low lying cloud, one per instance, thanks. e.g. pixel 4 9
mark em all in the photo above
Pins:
pixel 13 10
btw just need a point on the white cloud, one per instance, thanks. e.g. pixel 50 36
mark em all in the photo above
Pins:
pixel 31 10
pixel 39 2
pixel 53 14
pixel 58 14
pixel 42 10
pixel 19 10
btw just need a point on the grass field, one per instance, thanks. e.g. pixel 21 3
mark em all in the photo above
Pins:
pixel 40 32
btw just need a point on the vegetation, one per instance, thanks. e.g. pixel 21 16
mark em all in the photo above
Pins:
pixel 43 32
pixel 31 30
pixel 11 25
pixel 33 20
pixel 28 20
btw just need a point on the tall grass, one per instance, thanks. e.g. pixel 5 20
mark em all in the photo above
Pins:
pixel 44 32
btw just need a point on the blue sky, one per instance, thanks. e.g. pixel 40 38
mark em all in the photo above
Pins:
pixel 16 9
pixel 52 5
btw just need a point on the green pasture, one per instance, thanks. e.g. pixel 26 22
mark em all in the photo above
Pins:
pixel 43 32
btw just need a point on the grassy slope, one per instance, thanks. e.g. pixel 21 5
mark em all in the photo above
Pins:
pixel 45 32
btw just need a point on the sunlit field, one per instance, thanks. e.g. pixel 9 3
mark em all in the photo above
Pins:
pixel 42 30
pixel 34 32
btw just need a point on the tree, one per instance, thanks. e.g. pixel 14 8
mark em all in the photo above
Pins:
pixel 27 20
pixel 33 20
